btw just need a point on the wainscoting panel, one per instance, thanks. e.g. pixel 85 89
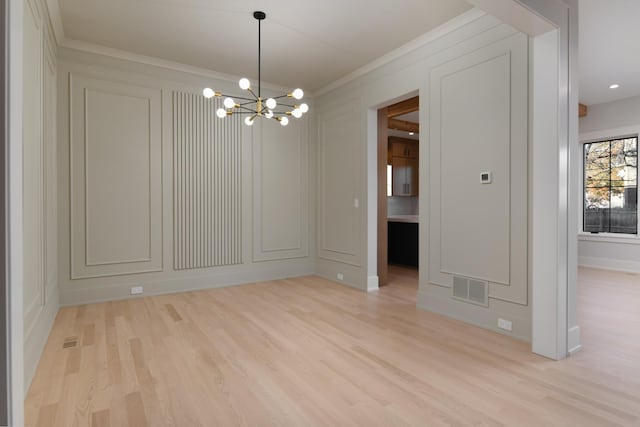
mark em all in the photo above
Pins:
pixel 479 230
pixel 33 166
pixel 339 166
pixel 116 188
pixel 280 196
pixel 207 196
pixel 50 168
pixel 39 157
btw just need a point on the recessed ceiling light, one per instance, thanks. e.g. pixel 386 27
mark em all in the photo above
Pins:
pixel 614 86
pixel 410 133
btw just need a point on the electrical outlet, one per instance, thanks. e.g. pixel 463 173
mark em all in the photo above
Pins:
pixel 340 276
pixel 136 290
pixel 505 324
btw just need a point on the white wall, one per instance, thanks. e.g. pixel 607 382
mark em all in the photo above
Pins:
pixel 40 290
pixel 403 205
pixel 611 115
pixel 346 139
pixel 169 173
pixel 615 252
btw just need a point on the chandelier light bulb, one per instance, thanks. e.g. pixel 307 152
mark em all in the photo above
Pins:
pixel 208 92
pixel 248 121
pixel 221 112
pixel 284 121
pixel 296 113
pixel 268 114
pixel 297 93
pixel 271 103
pixel 304 107
pixel 244 83
pixel 229 103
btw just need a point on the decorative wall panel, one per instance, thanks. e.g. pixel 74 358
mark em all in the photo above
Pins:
pixel 207 196
pixel 280 195
pixel 339 167
pixel 116 187
pixel 479 230
pixel 33 165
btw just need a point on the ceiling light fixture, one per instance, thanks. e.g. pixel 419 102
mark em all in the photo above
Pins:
pixel 256 106
pixel 614 86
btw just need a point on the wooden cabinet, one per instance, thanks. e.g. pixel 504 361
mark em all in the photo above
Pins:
pixel 404 176
pixel 402 243
pixel 404 166
pixel 404 149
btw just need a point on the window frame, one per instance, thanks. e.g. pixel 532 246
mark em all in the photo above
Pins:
pixel 603 136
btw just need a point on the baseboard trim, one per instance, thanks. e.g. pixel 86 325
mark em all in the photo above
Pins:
pixel 36 338
pixel 475 315
pixel 120 291
pixel 340 282
pixel 573 340
pixel 372 283
pixel 609 264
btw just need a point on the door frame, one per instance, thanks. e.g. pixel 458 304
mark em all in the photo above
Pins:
pixel 11 170
pixel 553 27
pixel 4 294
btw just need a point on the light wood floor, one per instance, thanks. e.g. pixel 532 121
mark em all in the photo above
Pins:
pixel 307 352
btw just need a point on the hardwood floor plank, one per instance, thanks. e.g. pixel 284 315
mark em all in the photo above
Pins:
pixel 309 352
pixel 173 312
pixel 88 335
pixel 135 410
pixel 47 415
pixel 100 419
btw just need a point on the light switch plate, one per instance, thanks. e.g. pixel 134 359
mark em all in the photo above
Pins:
pixel 485 177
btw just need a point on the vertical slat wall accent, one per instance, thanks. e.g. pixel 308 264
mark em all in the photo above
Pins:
pixel 207 184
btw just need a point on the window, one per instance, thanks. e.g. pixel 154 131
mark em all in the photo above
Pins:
pixel 611 186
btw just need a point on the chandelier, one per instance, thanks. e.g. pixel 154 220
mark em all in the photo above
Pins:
pixel 253 105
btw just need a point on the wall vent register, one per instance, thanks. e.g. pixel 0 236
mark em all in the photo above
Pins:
pixel 470 290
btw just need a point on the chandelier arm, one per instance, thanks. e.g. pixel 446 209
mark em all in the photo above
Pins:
pixel 247 109
pixel 238 97
pixel 245 104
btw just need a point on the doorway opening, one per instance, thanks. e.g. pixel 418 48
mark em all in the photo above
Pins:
pixel 398 197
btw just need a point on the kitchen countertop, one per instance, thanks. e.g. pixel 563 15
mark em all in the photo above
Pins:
pixel 404 218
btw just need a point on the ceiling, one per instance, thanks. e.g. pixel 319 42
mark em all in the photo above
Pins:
pixel 409 117
pixel 609 50
pixel 304 43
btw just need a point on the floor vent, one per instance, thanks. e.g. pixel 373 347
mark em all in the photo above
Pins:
pixel 70 342
pixel 470 290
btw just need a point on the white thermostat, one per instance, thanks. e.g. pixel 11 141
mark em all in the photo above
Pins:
pixel 485 177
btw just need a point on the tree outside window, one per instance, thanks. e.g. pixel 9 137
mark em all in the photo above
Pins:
pixel 611 186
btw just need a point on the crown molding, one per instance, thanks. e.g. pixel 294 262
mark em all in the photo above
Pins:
pixel 110 52
pixel 440 31
pixel 55 19
pixel 53 7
